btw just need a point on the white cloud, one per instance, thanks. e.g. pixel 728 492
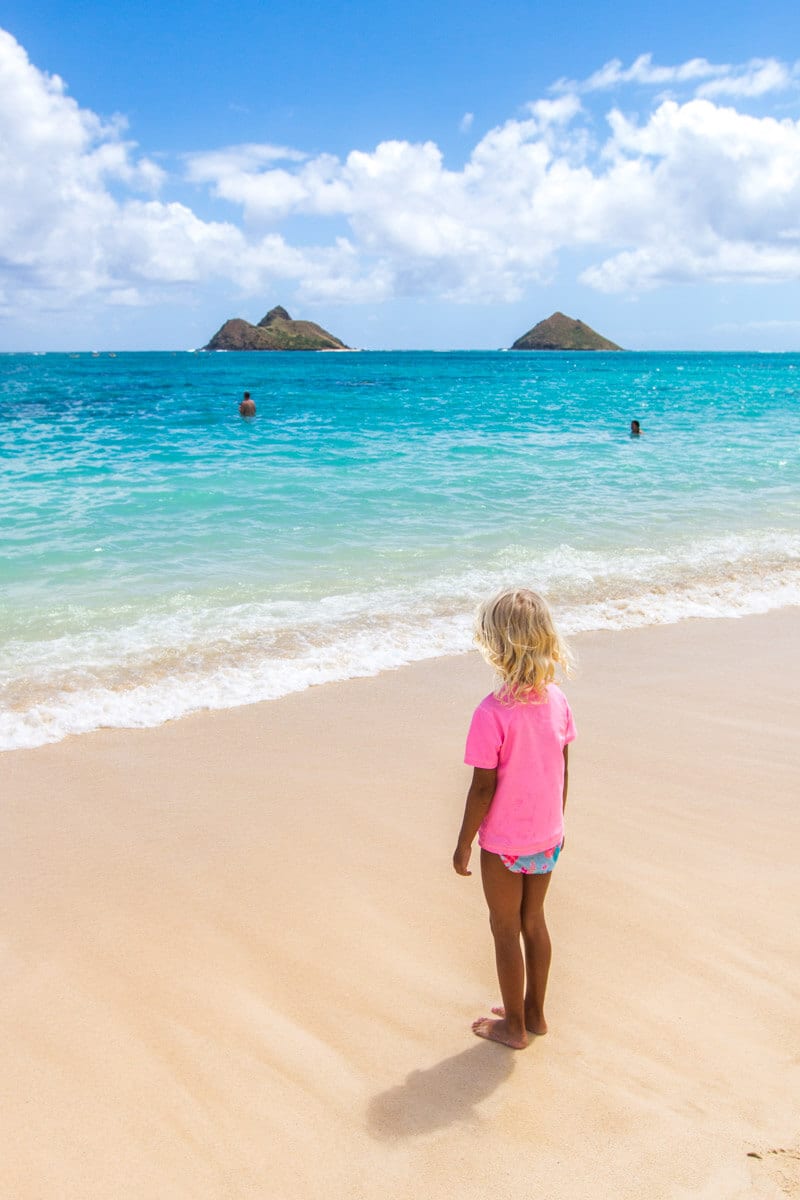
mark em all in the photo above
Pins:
pixel 465 124
pixel 642 71
pixel 66 236
pixel 60 224
pixel 754 78
pixel 233 174
pixel 555 112
pixel 688 191
pixel 695 191
pixel 716 261
pixel 202 167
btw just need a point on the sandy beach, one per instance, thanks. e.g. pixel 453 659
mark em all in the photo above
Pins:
pixel 237 962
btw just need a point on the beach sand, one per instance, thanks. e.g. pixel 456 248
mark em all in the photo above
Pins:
pixel 237 962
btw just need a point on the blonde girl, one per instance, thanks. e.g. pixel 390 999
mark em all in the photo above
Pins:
pixel 517 746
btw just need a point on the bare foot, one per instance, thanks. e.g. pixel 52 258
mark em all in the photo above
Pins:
pixel 532 1026
pixel 498 1031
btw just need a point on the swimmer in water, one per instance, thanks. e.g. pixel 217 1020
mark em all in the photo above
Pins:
pixel 247 408
pixel 636 429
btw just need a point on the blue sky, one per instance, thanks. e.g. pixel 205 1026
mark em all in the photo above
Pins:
pixel 433 175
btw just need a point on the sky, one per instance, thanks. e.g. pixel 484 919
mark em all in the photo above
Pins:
pixel 410 175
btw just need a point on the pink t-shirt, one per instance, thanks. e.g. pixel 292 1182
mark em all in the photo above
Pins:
pixel 525 742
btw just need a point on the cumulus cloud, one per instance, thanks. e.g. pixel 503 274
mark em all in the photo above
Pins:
pixel 689 190
pixel 67 235
pixel 694 191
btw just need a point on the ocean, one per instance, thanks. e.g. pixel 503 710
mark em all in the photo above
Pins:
pixel 161 555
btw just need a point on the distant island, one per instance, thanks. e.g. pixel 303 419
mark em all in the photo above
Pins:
pixel 563 333
pixel 277 331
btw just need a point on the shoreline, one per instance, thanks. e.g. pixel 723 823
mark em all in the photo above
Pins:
pixel 236 938
pixel 161 700
pixel 788 615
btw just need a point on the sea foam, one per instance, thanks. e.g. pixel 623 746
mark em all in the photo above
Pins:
pixel 162 667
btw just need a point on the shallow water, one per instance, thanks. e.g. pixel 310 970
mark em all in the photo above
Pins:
pixel 161 554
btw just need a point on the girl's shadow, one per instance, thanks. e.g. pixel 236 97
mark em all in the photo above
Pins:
pixel 441 1095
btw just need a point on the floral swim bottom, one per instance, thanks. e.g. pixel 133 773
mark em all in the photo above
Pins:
pixel 532 864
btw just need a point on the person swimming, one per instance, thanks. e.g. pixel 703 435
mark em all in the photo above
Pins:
pixel 247 408
pixel 636 429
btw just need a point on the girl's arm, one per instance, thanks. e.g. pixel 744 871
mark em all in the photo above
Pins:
pixel 566 787
pixel 479 797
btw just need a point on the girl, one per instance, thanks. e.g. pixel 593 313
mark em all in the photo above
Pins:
pixel 517 745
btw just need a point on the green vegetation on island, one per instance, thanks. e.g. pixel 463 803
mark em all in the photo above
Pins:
pixel 277 331
pixel 560 332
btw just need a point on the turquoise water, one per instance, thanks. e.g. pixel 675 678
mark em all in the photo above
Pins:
pixel 160 554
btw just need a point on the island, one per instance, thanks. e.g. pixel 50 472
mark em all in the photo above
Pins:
pixel 277 331
pixel 560 332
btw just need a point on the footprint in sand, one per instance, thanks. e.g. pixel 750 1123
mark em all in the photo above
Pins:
pixel 782 1167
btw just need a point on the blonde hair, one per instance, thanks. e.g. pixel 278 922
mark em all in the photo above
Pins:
pixel 514 632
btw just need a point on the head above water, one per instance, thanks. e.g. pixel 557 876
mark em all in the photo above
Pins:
pixel 516 635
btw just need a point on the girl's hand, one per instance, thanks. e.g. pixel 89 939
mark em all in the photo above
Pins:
pixel 461 859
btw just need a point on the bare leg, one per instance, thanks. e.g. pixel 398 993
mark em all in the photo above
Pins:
pixel 536 940
pixel 504 895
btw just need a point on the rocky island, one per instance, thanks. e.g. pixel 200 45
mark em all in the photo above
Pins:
pixel 563 333
pixel 276 331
